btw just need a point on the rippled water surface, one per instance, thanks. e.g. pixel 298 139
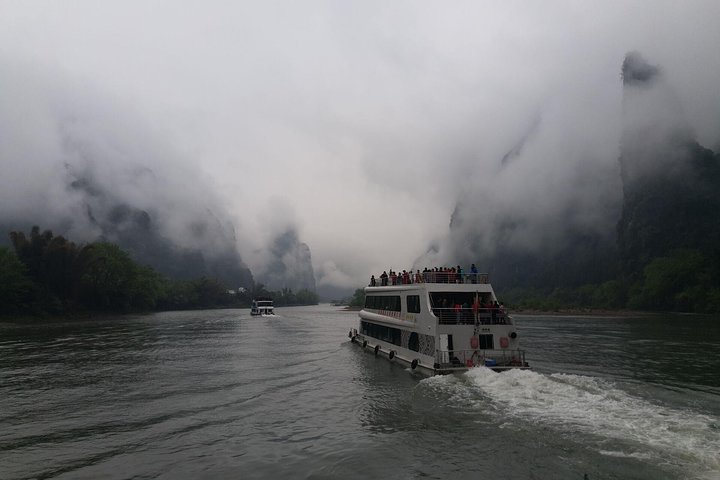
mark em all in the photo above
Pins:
pixel 218 394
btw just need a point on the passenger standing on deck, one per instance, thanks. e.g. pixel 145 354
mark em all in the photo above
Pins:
pixel 393 277
pixel 372 280
pixel 418 277
pixel 476 309
pixel 383 279
pixel 473 273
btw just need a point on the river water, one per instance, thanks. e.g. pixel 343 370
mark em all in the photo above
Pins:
pixel 218 394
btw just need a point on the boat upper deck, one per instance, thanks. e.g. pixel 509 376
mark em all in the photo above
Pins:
pixel 440 275
pixel 455 297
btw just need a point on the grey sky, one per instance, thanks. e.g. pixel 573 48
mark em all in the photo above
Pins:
pixel 362 123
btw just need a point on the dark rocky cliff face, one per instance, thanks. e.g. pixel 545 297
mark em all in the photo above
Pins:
pixel 290 265
pixel 138 232
pixel 670 200
pixel 671 184
pixel 581 258
pixel 177 241
pixel 207 246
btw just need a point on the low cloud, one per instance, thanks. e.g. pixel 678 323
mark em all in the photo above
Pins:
pixel 329 274
pixel 377 124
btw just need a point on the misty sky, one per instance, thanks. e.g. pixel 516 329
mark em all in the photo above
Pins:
pixel 359 123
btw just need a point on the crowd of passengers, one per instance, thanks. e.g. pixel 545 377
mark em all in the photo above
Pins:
pixel 430 275
pixel 480 312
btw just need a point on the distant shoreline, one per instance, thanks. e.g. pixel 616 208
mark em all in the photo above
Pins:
pixel 89 317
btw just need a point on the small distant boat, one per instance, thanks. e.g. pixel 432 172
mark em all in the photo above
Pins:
pixel 439 324
pixel 262 307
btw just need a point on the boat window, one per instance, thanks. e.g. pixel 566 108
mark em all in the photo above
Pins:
pixel 383 302
pixel 381 332
pixel 486 341
pixel 413 303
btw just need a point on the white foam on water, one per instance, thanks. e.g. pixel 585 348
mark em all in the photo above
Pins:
pixel 594 406
pixel 612 453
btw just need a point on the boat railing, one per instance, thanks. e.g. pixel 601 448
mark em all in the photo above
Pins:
pixel 476 358
pixel 432 277
pixel 470 316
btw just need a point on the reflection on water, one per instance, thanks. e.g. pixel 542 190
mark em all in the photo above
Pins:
pixel 218 394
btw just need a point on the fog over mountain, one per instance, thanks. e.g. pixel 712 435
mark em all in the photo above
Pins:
pixel 379 135
pixel 280 260
pixel 90 172
pixel 660 194
pixel 671 183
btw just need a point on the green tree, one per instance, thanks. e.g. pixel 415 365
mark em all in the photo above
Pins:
pixel 31 250
pixel 17 290
pixel 611 294
pixel 106 277
pixel 306 297
pixel 147 288
pixel 59 264
pixel 210 293
pixel 50 263
pixel 178 295
pixel 669 282
pixel 358 298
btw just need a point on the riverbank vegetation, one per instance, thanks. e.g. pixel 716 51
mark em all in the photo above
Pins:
pixel 683 281
pixel 48 275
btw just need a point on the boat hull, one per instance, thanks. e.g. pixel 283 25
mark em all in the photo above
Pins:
pixel 428 367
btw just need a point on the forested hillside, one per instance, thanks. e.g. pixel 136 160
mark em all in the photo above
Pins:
pixel 50 275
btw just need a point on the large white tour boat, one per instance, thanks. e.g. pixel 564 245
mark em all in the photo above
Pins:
pixel 262 307
pixel 438 322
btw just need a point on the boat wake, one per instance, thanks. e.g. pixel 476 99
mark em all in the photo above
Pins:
pixel 598 409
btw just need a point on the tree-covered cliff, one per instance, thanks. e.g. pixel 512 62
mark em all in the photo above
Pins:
pixel 664 252
pixel 669 230
pixel 47 274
